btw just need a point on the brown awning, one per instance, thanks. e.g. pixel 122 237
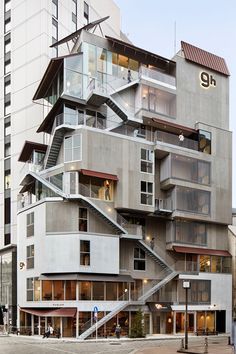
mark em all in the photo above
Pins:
pixel 172 127
pixel 88 277
pixel 60 312
pixel 99 174
pixel 28 148
pixel 206 251
pixel 201 57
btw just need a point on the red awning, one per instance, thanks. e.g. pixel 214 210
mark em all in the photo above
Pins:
pixel 206 251
pixel 99 174
pixel 61 312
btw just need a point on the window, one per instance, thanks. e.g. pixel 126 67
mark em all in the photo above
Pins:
pixel 74 14
pixel 30 289
pixel 46 290
pixel 30 224
pixel 7 126
pixel 37 288
pixel 7 179
pixel 199 292
pixel 190 232
pixel 7 239
pixel 55 8
pixel 54 29
pixel 139 259
pixel 86 12
pixel 7 62
pixel 7 43
pixel 193 200
pixel 146 161
pixel 204 141
pixel 83 219
pixel 85 253
pixel 146 193
pixel 72 148
pixel 7 20
pixel 30 257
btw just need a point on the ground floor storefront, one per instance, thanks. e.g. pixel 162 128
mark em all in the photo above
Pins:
pixel 70 322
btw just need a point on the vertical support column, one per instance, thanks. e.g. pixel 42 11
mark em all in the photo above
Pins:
pixel 77 323
pixel 151 322
pixel 174 322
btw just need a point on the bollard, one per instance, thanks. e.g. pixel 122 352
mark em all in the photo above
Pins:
pixel 205 346
pixel 181 344
pixel 229 341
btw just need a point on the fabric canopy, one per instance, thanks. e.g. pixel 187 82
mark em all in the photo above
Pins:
pixel 59 312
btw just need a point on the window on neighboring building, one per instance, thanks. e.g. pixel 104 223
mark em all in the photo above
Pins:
pixel 72 148
pixel 86 12
pixel 7 179
pixel 30 289
pixel 54 29
pixel 7 239
pixel 7 126
pixel 146 161
pixel 7 62
pixel 7 43
pixel 83 219
pixel 74 14
pixel 7 20
pixel 30 257
pixel 30 224
pixel 84 253
pixel 146 193
pixel 55 8
pixel 139 259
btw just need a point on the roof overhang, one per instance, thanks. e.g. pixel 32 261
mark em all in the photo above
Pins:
pixel 202 251
pixel 87 277
pixel 28 148
pixel 99 174
pixel 204 58
pixel 170 127
pixel 131 50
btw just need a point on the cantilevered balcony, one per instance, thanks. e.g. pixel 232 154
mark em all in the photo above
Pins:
pixel 173 139
pixel 155 76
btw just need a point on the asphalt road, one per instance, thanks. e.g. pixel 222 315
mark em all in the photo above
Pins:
pixel 31 345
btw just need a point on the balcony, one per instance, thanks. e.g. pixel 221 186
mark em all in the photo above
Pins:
pixel 172 139
pixel 155 75
pixel 163 206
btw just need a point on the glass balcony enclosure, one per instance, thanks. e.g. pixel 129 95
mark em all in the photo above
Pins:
pixel 185 168
pixel 184 232
pixel 192 200
pixel 173 139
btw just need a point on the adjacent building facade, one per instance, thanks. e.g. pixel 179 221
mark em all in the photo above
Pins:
pixel 28 28
pixel 130 195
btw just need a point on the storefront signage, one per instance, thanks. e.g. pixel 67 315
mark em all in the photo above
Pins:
pixel 207 80
pixel 22 265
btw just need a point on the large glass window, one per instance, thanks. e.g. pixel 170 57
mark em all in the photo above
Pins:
pixel 37 289
pixel 190 232
pixel 193 200
pixel 83 219
pixel 98 290
pixel 84 253
pixel 139 259
pixel 96 187
pixel 85 290
pixel 190 169
pixel 70 286
pixel 30 224
pixel 146 193
pixel 58 290
pixel 146 161
pixel 158 101
pixel 199 292
pixel 111 291
pixel 72 148
pixel 214 264
pixel 30 257
pixel 46 290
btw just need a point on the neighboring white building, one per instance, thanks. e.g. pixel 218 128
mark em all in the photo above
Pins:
pixel 28 28
pixel 116 209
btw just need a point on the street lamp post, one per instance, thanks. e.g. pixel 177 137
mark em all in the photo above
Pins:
pixel 186 286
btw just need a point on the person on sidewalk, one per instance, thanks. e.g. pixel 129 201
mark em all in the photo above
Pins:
pixel 117 331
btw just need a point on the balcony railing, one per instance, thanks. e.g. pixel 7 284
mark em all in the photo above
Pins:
pixel 163 205
pixel 164 137
pixel 157 75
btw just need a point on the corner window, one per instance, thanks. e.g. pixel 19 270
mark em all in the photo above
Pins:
pixel 139 259
pixel 30 225
pixel 146 161
pixel 72 148
pixel 146 193
pixel 85 253
pixel 204 141
pixel 30 257
pixel 83 219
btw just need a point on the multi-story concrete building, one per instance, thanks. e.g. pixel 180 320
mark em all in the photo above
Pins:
pixel 131 195
pixel 28 28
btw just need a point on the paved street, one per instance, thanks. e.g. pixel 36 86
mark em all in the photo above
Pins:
pixel 31 345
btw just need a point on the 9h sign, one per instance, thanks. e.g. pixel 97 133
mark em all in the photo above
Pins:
pixel 206 80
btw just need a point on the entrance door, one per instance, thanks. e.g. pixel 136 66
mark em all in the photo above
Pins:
pixel 156 323
pixel 220 321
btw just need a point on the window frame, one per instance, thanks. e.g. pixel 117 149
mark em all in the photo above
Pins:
pixel 139 259
pixel 30 257
pixel 83 254
pixel 149 153
pixel 146 193
pixel 30 224
pixel 72 147
pixel 83 219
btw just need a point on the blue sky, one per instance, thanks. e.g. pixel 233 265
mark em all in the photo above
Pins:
pixel 208 24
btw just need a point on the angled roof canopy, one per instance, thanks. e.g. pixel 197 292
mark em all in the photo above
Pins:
pixel 206 251
pixel 129 50
pixel 28 148
pixel 76 34
pixel 201 57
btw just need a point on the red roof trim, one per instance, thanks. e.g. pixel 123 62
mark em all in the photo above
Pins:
pixel 99 175
pixel 60 312
pixel 204 58
pixel 206 251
